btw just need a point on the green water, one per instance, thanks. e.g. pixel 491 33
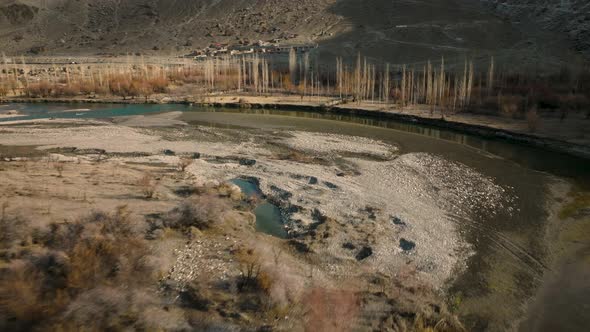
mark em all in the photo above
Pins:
pixel 268 220
pixel 248 187
pixel 78 111
pixel 268 215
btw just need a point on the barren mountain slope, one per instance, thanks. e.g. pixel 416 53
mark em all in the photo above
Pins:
pixel 570 17
pixel 391 30
pixel 67 26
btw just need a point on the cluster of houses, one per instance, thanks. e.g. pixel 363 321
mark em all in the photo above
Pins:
pixel 259 47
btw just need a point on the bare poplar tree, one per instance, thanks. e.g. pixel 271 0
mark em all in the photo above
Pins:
pixel 386 88
pixel 469 82
pixel 491 77
pixel 293 65
pixel 403 86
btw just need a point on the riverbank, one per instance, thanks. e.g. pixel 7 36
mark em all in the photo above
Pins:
pixel 570 135
pixel 388 252
pixel 357 204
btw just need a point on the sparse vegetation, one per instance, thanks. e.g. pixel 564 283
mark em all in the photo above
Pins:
pixel 148 185
pixel 467 89
pixel 200 212
pixel 113 271
pixel 184 162
pixel 74 268
pixel 444 91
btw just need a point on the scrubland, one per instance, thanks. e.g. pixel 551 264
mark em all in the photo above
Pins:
pixel 132 237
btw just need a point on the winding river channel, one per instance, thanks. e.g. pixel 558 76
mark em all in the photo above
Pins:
pixel 530 268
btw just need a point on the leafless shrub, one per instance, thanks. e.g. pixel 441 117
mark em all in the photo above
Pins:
pixel 147 185
pixel 117 309
pixel 21 304
pixel 251 277
pixel 159 84
pixel 41 89
pixel 183 163
pixel 12 229
pixel 80 268
pixel 200 212
pixel 66 90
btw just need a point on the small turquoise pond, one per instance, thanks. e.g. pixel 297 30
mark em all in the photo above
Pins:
pixel 268 215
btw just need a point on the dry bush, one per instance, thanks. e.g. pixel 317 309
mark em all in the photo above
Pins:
pixel 281 283
pixel 159 84
pixel 13 230
pixel 132 89
pixel 129 86
pixel 22 305
pixel 185 75
pixel 147 185
pixel 253 275
pixel 41 89
pixel 183 163
pixel 66 90
pixel 200 212
pixel 532 119
pixel 56 286
pixel 3 90
pixel 265 285
pixel 82 87
pixel 120 85
pixel 109 308
pixel 89 87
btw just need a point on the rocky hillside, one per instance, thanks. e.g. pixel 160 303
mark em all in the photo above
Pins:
pixel 68 26
pixel 534 32
pixel 570 17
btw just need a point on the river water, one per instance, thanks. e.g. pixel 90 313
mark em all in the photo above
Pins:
pixel 513 280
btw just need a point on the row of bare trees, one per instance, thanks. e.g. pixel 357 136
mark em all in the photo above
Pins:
pixel 359 80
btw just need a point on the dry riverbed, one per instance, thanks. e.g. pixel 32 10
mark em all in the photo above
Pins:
pixel 366 223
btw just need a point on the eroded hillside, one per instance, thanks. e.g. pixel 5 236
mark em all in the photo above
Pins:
pixel 531 32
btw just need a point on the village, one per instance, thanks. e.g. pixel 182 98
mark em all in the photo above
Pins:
pixel 245 46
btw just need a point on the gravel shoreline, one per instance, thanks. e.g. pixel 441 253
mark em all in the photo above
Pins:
pixel 478 125
pixel 397 209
